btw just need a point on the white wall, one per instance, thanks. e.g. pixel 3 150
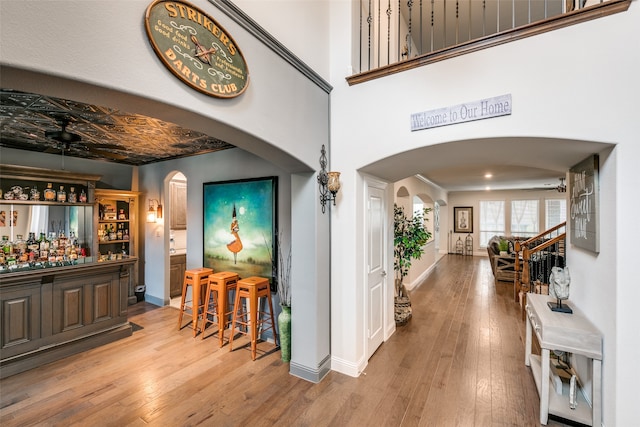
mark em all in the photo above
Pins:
pixel 302 26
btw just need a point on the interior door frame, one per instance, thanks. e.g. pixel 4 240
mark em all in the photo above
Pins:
pixel 371 182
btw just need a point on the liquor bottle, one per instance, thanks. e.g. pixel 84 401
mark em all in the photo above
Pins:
pixel 62 240
pixel 44 246
pixel 33 247
pixel 83 196
pixel 73 196
pixel 7 246
pixel 49 193
pixel 53 242
pixel 20 248
pixel 62 195
pixel 119 233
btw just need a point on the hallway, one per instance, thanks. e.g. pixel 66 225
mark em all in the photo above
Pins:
pixel 458 362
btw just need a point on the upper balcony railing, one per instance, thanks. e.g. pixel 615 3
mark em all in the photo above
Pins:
pixel 396 35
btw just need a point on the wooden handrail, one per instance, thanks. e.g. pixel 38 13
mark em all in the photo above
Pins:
pixel 522 281
pixel 541 235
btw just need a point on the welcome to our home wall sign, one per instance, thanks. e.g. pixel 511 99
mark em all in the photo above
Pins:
pixel 196 49
pixel 467 112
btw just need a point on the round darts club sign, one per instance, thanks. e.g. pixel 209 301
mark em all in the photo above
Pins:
pixel 196 48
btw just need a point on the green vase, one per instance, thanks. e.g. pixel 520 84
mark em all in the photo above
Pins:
pixel 284 329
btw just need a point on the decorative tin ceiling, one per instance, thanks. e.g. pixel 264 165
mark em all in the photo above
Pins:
pixel 105 133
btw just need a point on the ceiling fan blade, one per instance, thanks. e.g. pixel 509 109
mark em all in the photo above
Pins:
pixel 103 146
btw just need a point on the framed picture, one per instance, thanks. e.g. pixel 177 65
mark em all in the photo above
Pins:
pixel 584 200
pixel 240 227
pixel 463 219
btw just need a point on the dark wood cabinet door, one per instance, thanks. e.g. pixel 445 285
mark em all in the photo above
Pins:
pixel 176 274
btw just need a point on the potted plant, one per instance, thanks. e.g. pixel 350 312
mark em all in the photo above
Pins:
pixel 409 237
pixel 503 246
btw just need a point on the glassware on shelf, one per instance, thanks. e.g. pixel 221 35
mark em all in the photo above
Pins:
pixel 62 195
pixel 35 194
pixel 49 193
pixel 73 196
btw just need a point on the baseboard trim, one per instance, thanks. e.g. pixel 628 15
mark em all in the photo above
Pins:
pixel 348 368
pixel 311 375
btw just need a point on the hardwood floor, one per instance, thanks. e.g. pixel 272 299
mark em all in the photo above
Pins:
pixel 458 362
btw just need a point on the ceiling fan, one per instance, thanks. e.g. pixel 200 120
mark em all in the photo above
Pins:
pixel 62 135
pixel 68 140
pixel 561 188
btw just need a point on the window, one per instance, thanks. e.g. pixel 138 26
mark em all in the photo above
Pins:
pixel 491 220
pixel 524 218
pixel 555 212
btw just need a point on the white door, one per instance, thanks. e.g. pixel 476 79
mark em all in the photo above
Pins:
pixel 376 275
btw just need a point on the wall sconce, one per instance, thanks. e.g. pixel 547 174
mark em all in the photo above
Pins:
pixel 328 182
pixel 154 213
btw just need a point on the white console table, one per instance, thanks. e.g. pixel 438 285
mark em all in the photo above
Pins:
pixel 572 333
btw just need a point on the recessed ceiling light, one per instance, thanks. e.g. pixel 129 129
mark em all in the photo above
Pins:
pixel 488 175
pixel 487 188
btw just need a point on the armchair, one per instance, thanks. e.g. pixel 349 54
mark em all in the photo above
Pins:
pixel 503 266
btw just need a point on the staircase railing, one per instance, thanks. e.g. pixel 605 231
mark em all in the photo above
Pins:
pixel 398 35
pixel 539 253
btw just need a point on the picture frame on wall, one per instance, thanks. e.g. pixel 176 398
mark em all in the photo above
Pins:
pixel 584 204
pixel 463 219
pixel 239 227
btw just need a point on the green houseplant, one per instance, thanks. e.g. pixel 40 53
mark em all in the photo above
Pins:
pixel 503 246
pixel 409 238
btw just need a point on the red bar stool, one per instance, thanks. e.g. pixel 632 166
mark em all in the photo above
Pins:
pixel 217 301
pixel 252 289
pixel 195 278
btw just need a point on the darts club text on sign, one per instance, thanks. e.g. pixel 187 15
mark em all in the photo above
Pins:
pixel 196 49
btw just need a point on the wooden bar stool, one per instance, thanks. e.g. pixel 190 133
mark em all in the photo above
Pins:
pixel 195 278
pixel 218 288
pixel 252 289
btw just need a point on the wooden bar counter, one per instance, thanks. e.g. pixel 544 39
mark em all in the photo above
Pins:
pixel 50 313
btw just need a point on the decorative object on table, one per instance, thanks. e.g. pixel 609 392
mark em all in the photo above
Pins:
pixel 463 219
pixel 409 237
pixel 255 223
pixel 559 281
pixel 328 182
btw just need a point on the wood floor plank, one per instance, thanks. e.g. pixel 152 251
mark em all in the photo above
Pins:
pixel 458 362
